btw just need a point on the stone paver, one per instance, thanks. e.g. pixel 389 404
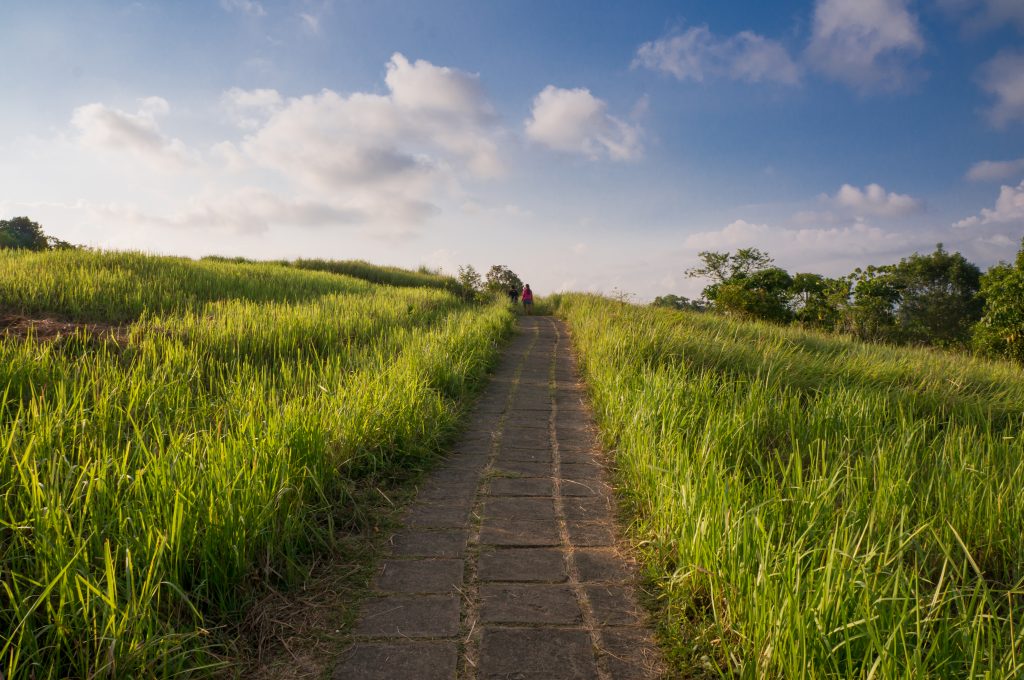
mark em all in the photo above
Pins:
pixel 523 564
pixel 509 565
pixel 519 532
pixel 522 486
pixel 419 576
pixel 426 616
pixel 386 660
pixel 529 603
pixel 443 543
pixel 537 654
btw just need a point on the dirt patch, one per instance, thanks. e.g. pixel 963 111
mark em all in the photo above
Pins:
pixel 46 329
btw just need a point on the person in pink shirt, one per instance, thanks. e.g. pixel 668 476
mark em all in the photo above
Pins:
pixel 527 298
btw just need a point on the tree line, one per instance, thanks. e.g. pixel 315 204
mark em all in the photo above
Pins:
pixel 22 233
pixel 499 280
pixel 939 299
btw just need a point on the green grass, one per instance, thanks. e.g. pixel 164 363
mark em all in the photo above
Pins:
pixel 810 506
pixel 154 482
pixel 392 276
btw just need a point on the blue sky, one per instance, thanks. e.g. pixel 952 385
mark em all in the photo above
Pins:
pixel 588 145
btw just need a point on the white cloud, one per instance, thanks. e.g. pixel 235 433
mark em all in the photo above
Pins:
pixel 105 129
pixel 986 171
pixel 250 7
pixel 697 54
pixel 310 22
pixel 391 155
pixel 864 43
pixel 1009 208
pixel 833 250
pixel 248 109
pixel 809 217
pixel 982 15
pixel 575 121
pixel 245 210
pixel 1003 78
pixel 874 200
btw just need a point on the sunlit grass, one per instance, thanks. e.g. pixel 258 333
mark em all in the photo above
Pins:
pixel 151 482
pixel 810 506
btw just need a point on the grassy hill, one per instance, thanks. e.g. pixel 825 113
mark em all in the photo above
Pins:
pixel 196 439
pixel 179 436
pixel 810 506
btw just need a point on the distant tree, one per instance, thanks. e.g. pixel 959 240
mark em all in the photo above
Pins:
pixel 470 278
pixel 818 301
pixel 925 299
pixel 722 267
pixel 745 284
pixel 54 243
pixel 764 294
pixel 671 301
pixel 470 282
pixel 872 313
pixel 23 233
pixel 939 301
pixel 501 279
pixel 1001 329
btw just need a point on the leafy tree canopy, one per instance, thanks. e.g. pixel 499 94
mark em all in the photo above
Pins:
pixel 724 267
pixel 1001 329
pixel 501 279
pixel 23 233
pixel 678 302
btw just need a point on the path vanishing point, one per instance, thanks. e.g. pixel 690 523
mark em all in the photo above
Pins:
pixel 508 564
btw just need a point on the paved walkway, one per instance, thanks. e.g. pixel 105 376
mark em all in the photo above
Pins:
pixel 507 565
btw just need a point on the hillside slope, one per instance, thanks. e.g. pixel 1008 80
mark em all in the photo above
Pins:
pixel 199 440
pixel 810 506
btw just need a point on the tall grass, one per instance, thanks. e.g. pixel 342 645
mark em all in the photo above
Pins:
pixel 375 273
pixel 153 482
pixel 809 506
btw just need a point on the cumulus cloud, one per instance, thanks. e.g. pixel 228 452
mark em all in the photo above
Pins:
pixel 1003 78
pixel 433 116
pixel 250 7
pixel 390 154
pixel 874 200
pixel 982 15
pixel 987 171
pixel 106 129
pixel 697 54
pixel 575 121
pixel 248 109
pixel 865 43
pixel 1009 208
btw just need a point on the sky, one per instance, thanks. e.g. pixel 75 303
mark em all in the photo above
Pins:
pixel 589 145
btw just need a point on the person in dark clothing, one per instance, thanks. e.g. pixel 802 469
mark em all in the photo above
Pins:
pixel 513 296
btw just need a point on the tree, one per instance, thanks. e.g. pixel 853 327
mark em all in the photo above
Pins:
pixel 745 284
pixel 671 301
pixel 501 279
pixel 926 299
pixel 818 301
pixel 1001 329
pixel 470 282
pixel 939 301
pixel 722 267
pixel 763 294
pixel 21 232
pixel 872 313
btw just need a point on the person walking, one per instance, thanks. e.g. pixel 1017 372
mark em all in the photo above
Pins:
pixel 513 296
pixel 527 297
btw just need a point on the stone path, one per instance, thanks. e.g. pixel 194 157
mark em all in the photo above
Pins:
pixel 507 566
